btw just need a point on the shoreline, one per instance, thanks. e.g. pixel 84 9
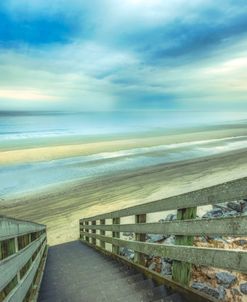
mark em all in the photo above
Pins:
pixel 11 200
pixel 61 208
pixel 74 139
pixel 53 152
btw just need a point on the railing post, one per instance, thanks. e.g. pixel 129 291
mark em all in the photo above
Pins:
pixel 16 245
pixel 181 271
pixel 82 229
pixel 16 251
pixel 93 232
pixel 115 248
pixel 140 257
pixel 102 232
pixel 86 230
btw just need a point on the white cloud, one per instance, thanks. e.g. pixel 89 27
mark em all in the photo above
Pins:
pixel 95 71
pixel 27 95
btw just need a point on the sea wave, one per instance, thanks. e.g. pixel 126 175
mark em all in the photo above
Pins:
pixel 228 143
pixel 22 178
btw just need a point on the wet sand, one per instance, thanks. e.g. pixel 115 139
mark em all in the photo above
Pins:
pixel 62 207
pixel 26 154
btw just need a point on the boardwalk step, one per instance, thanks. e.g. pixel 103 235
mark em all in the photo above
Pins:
pixel 160 292
pixel 77 273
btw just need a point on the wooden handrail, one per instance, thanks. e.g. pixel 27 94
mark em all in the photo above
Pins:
pixel 221 258
pixel 228 191
pixel 22 247
pixel 228 226
pixel 184 228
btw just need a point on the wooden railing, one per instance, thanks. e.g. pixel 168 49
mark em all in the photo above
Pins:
pixel 22 255
pixel 184 228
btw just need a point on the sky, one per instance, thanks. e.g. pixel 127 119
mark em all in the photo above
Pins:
pixel 78 55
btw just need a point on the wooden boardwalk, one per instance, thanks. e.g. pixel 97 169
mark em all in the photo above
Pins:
pixel 77 273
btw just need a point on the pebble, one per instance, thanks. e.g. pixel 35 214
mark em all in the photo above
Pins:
pixel 226 279
pixel 155 238
pixel 218 293
pixel 243 288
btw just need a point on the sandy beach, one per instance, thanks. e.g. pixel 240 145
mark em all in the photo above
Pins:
pixel 69 149
pixel 60 207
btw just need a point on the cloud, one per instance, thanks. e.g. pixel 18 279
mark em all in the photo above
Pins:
pixel 27 95
pixel 107 54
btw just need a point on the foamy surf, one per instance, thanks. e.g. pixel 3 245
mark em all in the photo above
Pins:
pixel 22 178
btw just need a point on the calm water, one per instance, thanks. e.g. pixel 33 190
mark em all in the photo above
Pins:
pixel 32 126
pixel 23 129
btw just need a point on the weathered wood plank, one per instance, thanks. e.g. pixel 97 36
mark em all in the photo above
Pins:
pixel 140 257
pixel 221 258
pixel 102 232
pixel 115 248
pixel 106 239
pixel 181 271
pixel 19 293
pixel 81 225
pixel 232 226
pixel 86 231
pixel 9 267
pixel 228 191
pixel 11 227
pixel 94 231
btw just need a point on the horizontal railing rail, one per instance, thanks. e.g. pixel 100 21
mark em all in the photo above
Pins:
pixel 11 227
pixel 184 228
pixel 13 264
pixel 22 246
pixel 227 191
pixel 24 285
pixel 221 258
pixel 231 226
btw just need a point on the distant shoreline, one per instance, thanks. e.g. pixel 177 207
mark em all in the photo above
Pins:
pixel 73 139
pixel 26 153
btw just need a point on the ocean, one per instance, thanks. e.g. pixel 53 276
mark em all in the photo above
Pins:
pixel 16 126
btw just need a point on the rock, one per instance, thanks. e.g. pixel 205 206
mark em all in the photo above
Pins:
pixel 226 279
pixel 244 210
pixel 217 239
pixel 235 292
pixel 129 234
pixel 222 206
pixel 168 260
pixel 155 238
pixel 240 242
pixel 210 274
pixel 166 268
pixel 170 240
pixel 218 293
pixel 152 266
pixel 128 253
pixel 216 212
pixel 231 213
pixel 235 205
pixel 222 292
pixel 200 239
pixel 171 217
pixel 243 288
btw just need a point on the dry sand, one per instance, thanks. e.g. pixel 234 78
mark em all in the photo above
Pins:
pixel 61 208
